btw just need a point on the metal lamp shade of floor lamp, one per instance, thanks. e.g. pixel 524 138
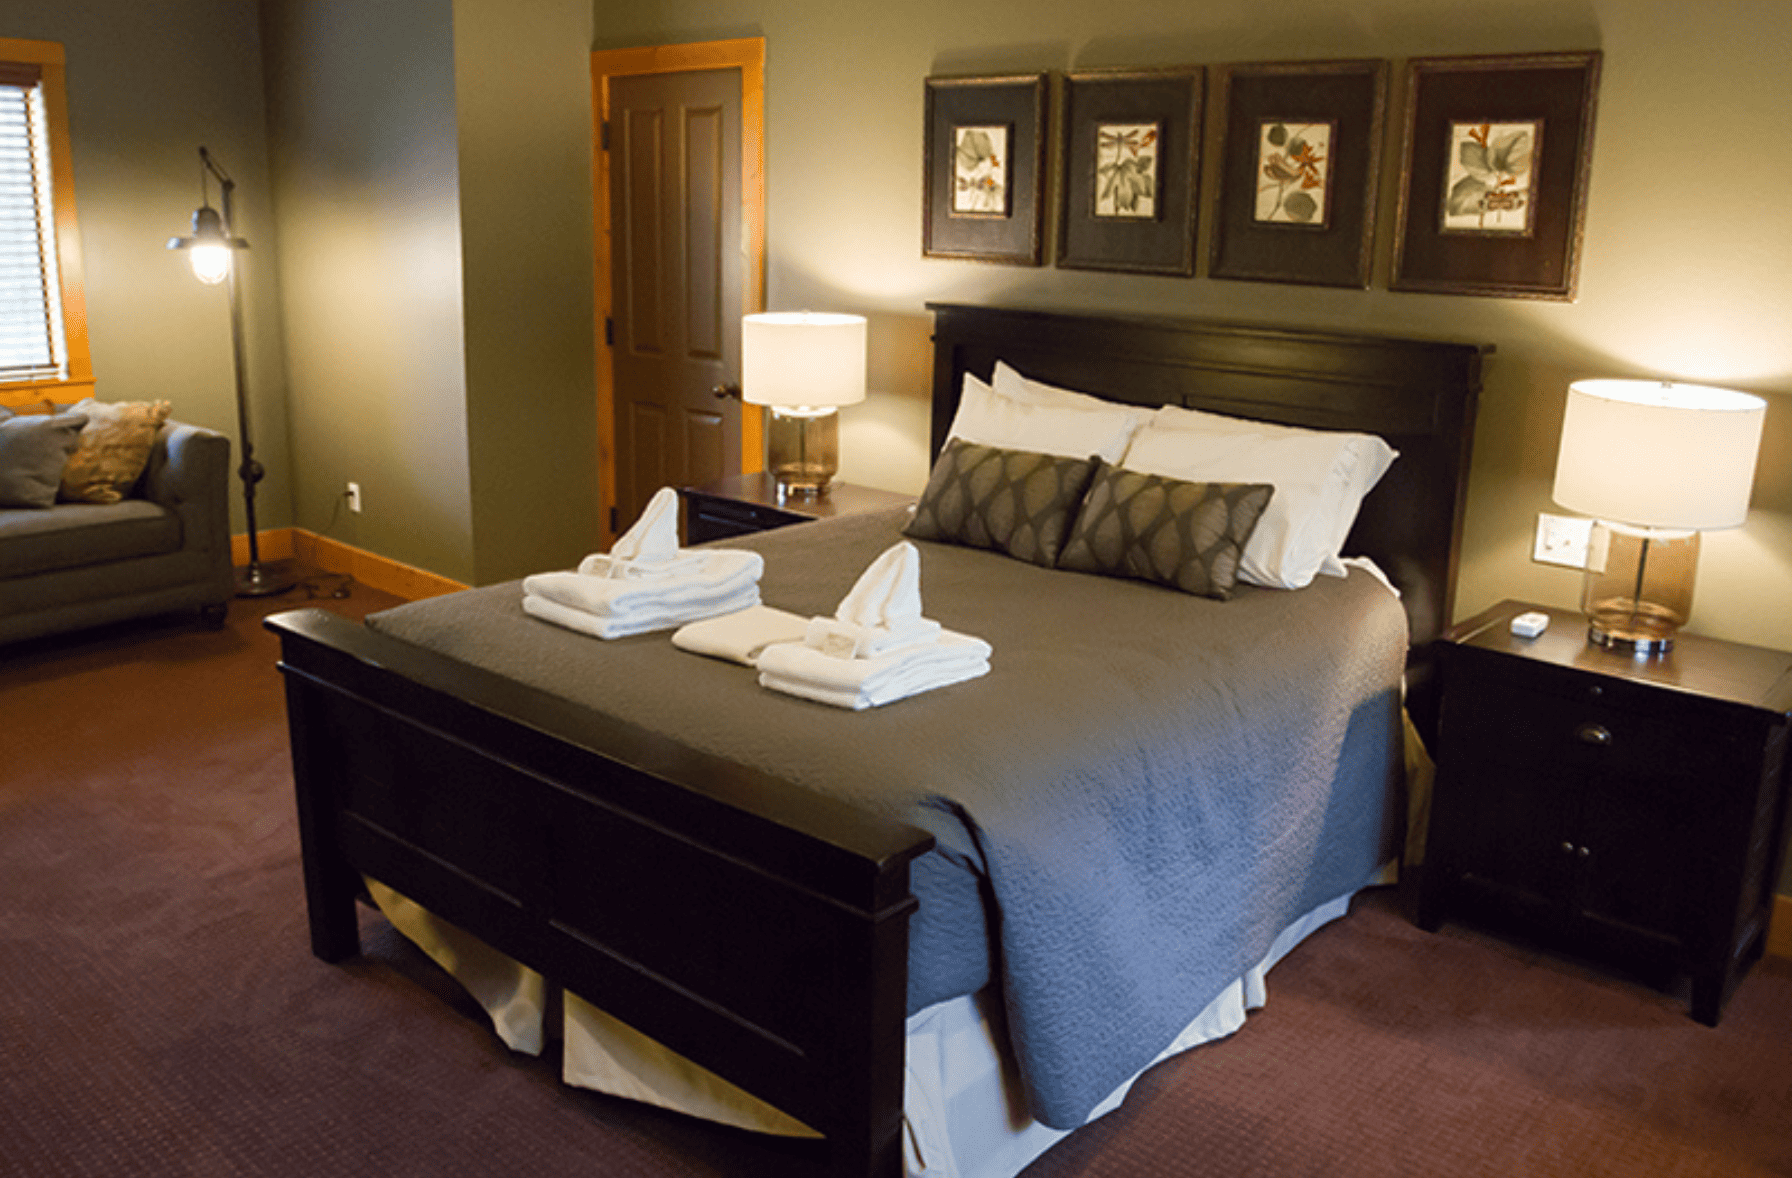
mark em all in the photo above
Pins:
pixel 212 251
pixel 1655 463
pixel 803 366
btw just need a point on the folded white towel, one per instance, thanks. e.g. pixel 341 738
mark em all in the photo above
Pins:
pixel 722 573
pixel 740 637
pixel 639 621
pixel 801 670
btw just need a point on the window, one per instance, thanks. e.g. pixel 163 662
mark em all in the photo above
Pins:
pixel 43 321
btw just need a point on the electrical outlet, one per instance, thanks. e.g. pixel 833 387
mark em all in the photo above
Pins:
pixel 1562 540
pixel 353 495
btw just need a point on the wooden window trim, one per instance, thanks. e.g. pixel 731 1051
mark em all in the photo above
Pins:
pixel 48 56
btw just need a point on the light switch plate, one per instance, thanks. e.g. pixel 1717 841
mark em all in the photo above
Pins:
pixel 1562 540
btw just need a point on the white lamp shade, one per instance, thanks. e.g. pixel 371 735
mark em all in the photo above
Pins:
pixel 802 359
pixel 1656 454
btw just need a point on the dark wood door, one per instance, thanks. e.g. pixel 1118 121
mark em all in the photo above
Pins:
pixel 676 276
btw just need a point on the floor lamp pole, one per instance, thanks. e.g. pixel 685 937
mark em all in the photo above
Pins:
pixel 257 580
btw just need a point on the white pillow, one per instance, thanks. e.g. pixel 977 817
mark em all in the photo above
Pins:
pixel 1320 479
pixel 1014 386
pixel 989 419
pixel 1176 417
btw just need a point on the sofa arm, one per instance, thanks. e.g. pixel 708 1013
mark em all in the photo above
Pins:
pixel 189 473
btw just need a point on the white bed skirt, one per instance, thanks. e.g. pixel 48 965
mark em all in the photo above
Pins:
pixel 963 1112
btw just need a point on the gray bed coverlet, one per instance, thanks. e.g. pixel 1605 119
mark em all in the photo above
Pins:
pixel 1146 787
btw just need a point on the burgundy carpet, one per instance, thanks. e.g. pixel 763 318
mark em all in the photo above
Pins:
pixel 160 1012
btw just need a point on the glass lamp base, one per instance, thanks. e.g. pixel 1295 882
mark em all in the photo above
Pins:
pixel 802 450
pixel 1638 588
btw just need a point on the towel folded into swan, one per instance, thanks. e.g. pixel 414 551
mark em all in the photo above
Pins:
pixel 646 582
pixel 877 648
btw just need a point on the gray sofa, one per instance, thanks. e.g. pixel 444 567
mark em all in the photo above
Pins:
pixel 165 547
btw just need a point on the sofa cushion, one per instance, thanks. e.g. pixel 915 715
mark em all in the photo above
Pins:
pixel 73 534
pixel 33 451
pixel 114 449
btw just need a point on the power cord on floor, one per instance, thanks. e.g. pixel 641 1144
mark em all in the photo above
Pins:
pixel 333 585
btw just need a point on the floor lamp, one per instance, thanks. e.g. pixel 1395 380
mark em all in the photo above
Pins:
pixel 211 250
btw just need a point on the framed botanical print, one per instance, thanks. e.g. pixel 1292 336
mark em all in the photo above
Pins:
pixel 1131 157
pixel 1300 153
pixel 983 167
pixel 1494 174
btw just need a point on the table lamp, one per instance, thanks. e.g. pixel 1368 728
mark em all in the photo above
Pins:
pixel 1654 463
pixel 803 366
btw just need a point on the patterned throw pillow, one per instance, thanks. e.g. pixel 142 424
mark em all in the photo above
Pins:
pixel 1188 536
pixel 1014 501
pixel 113 451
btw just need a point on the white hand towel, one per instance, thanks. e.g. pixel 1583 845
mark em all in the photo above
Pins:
pixel 844 640
pixel 881 614
pixel 649 550
pixel 723 572
pixel 741 637
pixel 888 593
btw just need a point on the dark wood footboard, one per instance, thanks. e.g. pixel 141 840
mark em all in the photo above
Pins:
pixel 754 927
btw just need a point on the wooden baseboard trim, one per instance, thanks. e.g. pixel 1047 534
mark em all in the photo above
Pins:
pixel 1779 932
pixel 273 544
pixel 333 556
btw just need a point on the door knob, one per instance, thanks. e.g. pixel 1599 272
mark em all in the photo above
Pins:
pixel 724 391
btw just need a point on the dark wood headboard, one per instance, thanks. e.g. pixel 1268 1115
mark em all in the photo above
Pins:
pixel 1419 395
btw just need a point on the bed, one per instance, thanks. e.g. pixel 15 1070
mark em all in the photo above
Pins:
pixel 678 880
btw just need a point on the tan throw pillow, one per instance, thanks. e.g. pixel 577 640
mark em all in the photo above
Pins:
pixel 113 450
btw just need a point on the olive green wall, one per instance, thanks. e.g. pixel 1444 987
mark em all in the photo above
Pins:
pixel 148 84
pixel 1683 272
pixel 432 163
pixel 362 126
pixel 523 95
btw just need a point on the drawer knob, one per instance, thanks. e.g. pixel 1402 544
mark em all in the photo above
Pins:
pixel 1597 734
pixel 1567 848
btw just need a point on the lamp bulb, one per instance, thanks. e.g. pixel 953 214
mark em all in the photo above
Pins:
pixel 210 263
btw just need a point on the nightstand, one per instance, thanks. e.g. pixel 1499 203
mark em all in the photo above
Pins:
pixel 741 504
pixel 1625 809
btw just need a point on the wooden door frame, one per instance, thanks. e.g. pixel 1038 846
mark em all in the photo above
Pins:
pixel 748 55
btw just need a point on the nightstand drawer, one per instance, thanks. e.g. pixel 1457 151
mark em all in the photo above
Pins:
pixel 1649 750
pixel 710 518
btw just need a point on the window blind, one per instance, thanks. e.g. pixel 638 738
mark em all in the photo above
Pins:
pixel 31 337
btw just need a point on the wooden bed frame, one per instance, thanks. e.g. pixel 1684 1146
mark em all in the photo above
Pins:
pixel 754 927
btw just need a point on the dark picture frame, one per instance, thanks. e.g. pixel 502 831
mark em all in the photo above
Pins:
pixel 1494 174
pixel 1300 161
pixel 984 169
pixel 1132 160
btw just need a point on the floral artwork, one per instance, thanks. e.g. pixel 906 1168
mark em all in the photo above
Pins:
pixel 1126 170
pixel 1490 183
pixel 980 171
pixel 1293 172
